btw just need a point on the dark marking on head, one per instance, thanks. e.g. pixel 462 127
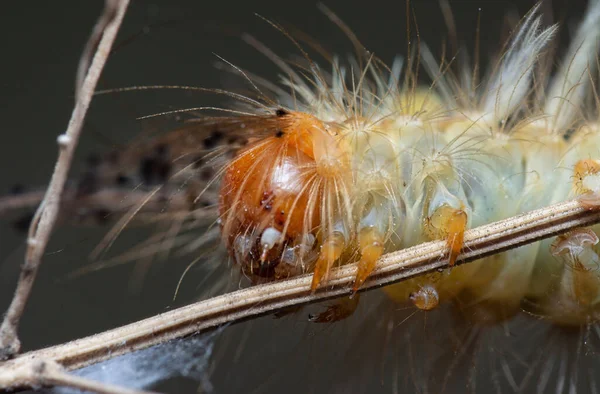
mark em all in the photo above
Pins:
pixel 281 112
pixel 279 133
pixel 280 218
pixel 266 202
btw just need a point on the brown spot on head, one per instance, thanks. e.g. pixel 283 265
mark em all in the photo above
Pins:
pixel 280 218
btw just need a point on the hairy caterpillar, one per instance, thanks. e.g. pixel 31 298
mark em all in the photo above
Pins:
pixel 477 122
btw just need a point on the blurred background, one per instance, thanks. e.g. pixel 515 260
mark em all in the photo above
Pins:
pixel 175 43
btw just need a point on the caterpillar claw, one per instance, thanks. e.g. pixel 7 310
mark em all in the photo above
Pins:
pixel 371 248
pixel 457 224
pixel 331 250
pixel 450 224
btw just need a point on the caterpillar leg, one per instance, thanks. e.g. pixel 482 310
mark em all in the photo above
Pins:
pixel 370 241
pixel 341 309
pixel 457 224
pixel 450 223
pixel 331 250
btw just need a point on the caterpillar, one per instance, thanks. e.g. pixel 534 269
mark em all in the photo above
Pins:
pixel 346 163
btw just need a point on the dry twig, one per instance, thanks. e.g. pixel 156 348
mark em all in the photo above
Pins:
pixel 259 300
pixel 102 39
pixel 48 373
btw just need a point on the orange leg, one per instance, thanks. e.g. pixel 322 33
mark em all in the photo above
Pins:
pixel 371 248
pixel 331 250
pixel 456 226
pixel 449 223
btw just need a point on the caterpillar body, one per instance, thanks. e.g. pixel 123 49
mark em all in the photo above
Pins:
pixel 359 160
pixel 352 172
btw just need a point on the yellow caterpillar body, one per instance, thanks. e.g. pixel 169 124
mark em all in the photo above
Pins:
pixel 350 172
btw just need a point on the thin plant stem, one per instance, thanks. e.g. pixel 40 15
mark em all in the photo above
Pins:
pixel 102 39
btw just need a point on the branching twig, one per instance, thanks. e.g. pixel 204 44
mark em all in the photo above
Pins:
pixel 259 300
pixel 48 373
pixel 103 37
